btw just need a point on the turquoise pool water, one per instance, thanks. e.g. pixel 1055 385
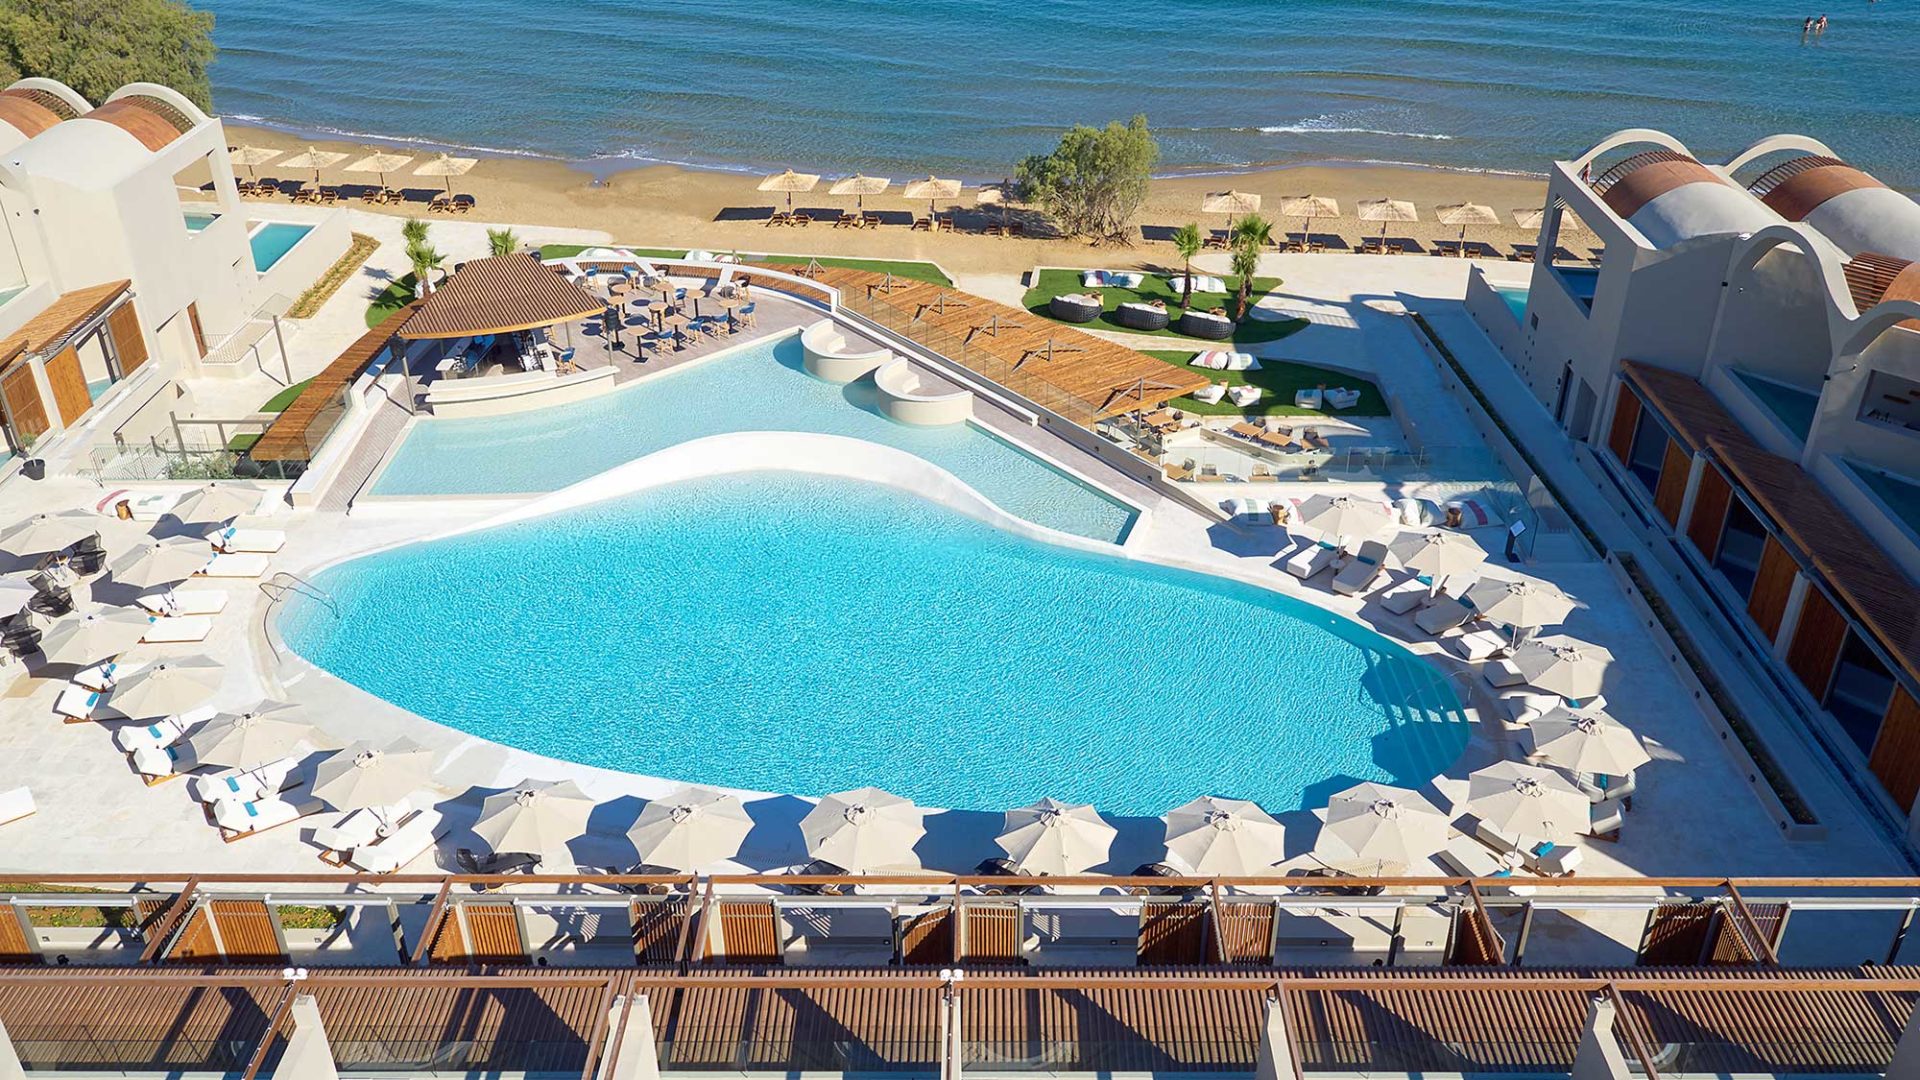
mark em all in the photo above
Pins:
pixel 198 222
pixel 1791 405
pixel 1516 298
pixel 273 240
pixel 804 634
pixel 760 388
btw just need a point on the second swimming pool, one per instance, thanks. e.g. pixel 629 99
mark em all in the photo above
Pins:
pixel 762 387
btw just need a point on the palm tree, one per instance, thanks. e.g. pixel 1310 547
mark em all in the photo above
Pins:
pixel 1250 236
pixel 502 241
pixel 1188 241
pixel 413 231
pixel 425 259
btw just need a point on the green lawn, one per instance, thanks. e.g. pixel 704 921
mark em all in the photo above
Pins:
pixel 917 271
pixel 280 401
pixel 396 295
pixel 1051 283
pixel 1278 379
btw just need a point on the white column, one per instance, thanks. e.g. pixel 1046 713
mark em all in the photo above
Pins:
pixel 639 1057
pixel 308 1055
pixel 1276 1051
pixel 956 1035
pixel 1696 468
pixel 1904 1066
pixel 10 1067
pixel 1599 1056
pixel 1790 615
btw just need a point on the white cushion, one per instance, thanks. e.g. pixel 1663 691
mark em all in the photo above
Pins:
pixel 15 805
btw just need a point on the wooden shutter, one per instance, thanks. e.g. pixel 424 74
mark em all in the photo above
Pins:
pixel 128 345
pixel 16 946
pixel 449 944
pixel 927 938
pixel 1772 584
pixel 1896 752
pixel 1677 934
pixel 1672 492
pixel 69 385
pixel 199 336
pixel 1246 931
pixel 195 940
pixel 992 934
pixel 24 406
pixel 1173 934
pixel 749 933
pixel 246 930
pixel 657 926
pixel 495 933
pixel 1709 518
pixel 1475 942
pixel 1817 638
pixel 1626 418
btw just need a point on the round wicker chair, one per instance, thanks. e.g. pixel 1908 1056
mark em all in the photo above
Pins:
pixel 1073 309
pixel 1141 317
pixel 1201 325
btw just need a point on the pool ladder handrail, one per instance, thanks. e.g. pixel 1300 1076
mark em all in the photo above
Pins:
pixel 285 582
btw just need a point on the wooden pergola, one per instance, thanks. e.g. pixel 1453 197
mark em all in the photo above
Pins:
pixel 501 294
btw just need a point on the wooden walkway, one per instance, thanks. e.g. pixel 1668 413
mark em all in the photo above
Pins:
pixel 1080 376
pixel 300 430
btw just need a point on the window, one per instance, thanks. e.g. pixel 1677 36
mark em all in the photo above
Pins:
pixel 1740 546
pixel 1648 453
pixel 199 199
pixel 1861 690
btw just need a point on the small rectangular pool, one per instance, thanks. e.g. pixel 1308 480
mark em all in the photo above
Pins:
pixel 273 239
pixel 1515 297
pixel 197 222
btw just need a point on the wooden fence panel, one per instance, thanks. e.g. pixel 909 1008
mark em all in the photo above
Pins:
pixel 494 930
pixel 749 933
pixel 657 926
pixel 69 384
pixel 927 938
pixel 195 940
pixel 992 934
pixel 16 946
pixel 1475 942
pixel 246 930
pixel 1246 930
pixel 1173 933
pixel 1677 934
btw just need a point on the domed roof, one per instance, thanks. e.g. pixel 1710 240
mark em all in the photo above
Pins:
pixel 1847 205
pixel 1671 197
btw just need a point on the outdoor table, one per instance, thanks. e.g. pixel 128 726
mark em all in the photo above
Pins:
pixel 619 287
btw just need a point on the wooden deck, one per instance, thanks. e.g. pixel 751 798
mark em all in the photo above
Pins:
pixel 305 423
pixel 1078 375
pixel 888 1019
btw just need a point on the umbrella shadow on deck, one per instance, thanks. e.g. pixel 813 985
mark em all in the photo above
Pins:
pixel 775 839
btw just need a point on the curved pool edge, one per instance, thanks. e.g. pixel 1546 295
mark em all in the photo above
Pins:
pixel 795 452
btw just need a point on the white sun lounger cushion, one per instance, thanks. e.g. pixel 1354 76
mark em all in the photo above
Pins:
pixel 1202 283
pixel 78 702
pixel 162 732
pixel 1119 279
pixel 1442 615
pixel 1404 597
pixel 1501 674
pixel 1310 560
pixel 104 674
pixel 1606 818
pixel 414 838
pixel 174 629
pixel 256 541
pixel 1243 396
pixel 1358 576
pixel 1341 398
pixel 185 602
pixel 1603 788
pixel 1211 393
pixel 15 804
pixel 1479 645
pixel 244 784
pixel 1522 706
pixel 235 565
pixel 1308 398
pixel 240 817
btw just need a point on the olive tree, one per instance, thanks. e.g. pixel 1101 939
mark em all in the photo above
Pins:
pixel 1092 183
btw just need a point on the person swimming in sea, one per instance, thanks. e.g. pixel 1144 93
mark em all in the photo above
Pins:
pixel 1820 25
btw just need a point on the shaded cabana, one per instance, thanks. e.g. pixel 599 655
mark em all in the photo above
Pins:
pixel 501 294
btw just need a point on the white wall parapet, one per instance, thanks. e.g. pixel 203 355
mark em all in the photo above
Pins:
pixel 902 399
pixel 830 356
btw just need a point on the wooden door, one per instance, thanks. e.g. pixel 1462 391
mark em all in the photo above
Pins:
pixel 992 935
pixel 199 336
pixel 1626 419
pixel 1709 520
pixel 657 927
pixel 1173 933
pixel 195 940
pixel 69 384
pixel 246 930
pixel 1677 934
pixel 16 942
pixel 124 327
pixel 1772 584
pixel 1896 752
pixel 1246 932
pixel 1475 942
pixel 1817 639
pixel 493 931
pixel 749 933
pixel 25 410
pixel 927 938
pixel 1675 469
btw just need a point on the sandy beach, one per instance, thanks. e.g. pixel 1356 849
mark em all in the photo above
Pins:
pixel 671 206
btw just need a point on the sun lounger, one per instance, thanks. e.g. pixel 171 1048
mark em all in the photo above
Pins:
pixel 158 764
pixel 1606 819
pixel 1310 560
pixel 1524 706
pixel 177 602
pixel 243 784
pixel 76 703
pixel 162 732
pixel 1306 399
pixel 252 541
pixel 414 838
pixel 1600 788
pixel 1211 393
pixel 1502 674
pixel 1405 597
pixel 1202 283
pixel 1358 576
pixel 1244 396
pixel 1479 645
pixel 237 820
pixel 15 804
pixel 148 506
pixel 230 565
pixel 1119 279
pixel 103 675
pixel 1468 857
pixel 1341 398
pixel 1442 615
pixel 178 629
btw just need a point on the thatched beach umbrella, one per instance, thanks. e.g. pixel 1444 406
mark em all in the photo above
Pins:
pixel 250 156
pixel 864 829
pixel 168 687
pixel 1380 825
pixel 535 818
pixel 932 189
pixel 1052 837
pixel 315 160
pixel 44 533
pixel 1338 516
pixel 1387 211
pixel 1527 802
pixel 447 166
pixel 1000 195
pixel 790 182
pixel 262 732
pixel 859 186
pixel 689 828
pixel 381 163
pixel 155 563
pixel 1465 214
pixel 94 637
pixel 361 776
pixel 1562 665
pixel 1586 740
pixel 1529 217
pixel 1224 836
pixel 1230 203
pixel 1308 207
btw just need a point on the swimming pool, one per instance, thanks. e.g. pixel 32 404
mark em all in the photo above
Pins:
pixel 761 387
pixel 803 634
pixel 272 240
pixel 1516 299
pixel 197 222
